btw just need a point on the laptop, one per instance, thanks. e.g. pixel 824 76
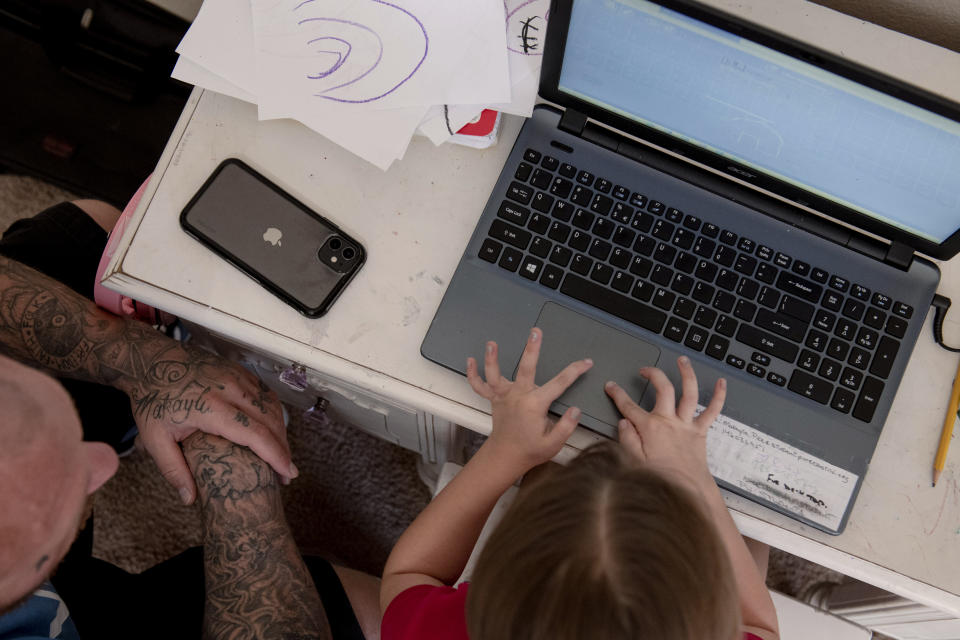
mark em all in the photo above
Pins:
pixel 701 186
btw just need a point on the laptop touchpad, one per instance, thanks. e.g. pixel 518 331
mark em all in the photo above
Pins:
pixel 568 336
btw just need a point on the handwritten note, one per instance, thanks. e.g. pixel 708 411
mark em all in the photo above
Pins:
pixel 766 467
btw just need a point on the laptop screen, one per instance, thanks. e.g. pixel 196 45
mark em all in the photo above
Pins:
pixel 817 130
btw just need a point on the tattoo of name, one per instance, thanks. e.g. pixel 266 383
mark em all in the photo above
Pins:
pixel 176 407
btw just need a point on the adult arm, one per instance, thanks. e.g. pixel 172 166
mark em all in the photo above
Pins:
pixel 436 546
pixel 174 389
pixel 257 584
pixel 672 438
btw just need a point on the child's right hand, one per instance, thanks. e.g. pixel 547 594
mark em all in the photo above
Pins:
pixel 669 436
pixel 522 432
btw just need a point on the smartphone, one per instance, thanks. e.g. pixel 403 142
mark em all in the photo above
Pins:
pixel 291 250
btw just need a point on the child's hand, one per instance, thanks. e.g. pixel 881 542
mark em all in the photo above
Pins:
pixel 522 431
pixel 669 436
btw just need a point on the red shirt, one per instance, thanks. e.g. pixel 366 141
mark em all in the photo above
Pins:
pixel 426 612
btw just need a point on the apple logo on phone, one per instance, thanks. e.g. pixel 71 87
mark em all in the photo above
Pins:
pixel 273 236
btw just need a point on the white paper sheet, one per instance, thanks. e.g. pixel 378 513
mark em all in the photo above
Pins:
pixel 190 72
pixel 442 121
pixel 220 40
pixel 764 466
pixel 526 23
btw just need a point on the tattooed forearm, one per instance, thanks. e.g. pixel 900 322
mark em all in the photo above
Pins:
pixel 257 584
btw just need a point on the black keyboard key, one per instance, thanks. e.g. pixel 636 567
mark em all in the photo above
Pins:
pixel 842 400
pixel 737 362
pixel 860 292
pixel 830 369
pixel 624 236
pixel 638 200
pixel 563 211
pixel 581 196
pixel 510 234
pixel 816 340
pixel 756 370
pixel 703 292
pixel 601 273
pixel 808 360
pixel 643 290
pixel 705 271
pixel 684 307
pixel 523 172
pixel 663 230
pixel 490 250
pixel 766 273
pixel 675 329
pixel 801 268
pixel 582 219
pixel 705 317
pixel 530 268
pixel 776 379
pixel 684 238
pixel 682 284
pixel 532 156
pixel 604 228
pixel 513 213
pixel 541 179
pixel 674 215
pixel 560 187
pixel 747 288
pixel 540 247
pixel 710 230
pixel 845 329
pixel 884 357
pixel 641 266
pixel 832 300
pixel 808 386
pixel 896 326
pixel 868 400
pixel 745 264
pixel 613 303
pixel 600 249
pixel 662 275
pixel 561 255
pixel 704 247
pixel 903 310
pixel 882 300
pixel 542 202
pixel 567 170
pixel 824 321
pixel 725 256
pixel 550 163
pixel 623 213
pixel 692 222
pixel 664 299
pixel 621 193
pixel 797 308
pixel 728 237
pixel 603 185
pixel 727 280
pixel 724 301
pixel 781 324
pixel 767 342
pixel 851 378
pixel 782 260
pixel 665 253
pixel 581 264
pixel 746 245
pixel 539 223
pixel 853 309
pixel 519 193
pixel 799 287
pixel 510 260
pixel 769 297
pixel 655 207
pixel 727 326
pixel 585 178
pixel 622 282
pixel 744 310
pixel 761 359
pixel 620 258
pixel 819 275
pixel 837 349
pixel 696 338
pixel 764 252
pixel 840 284
pixel 551 276
pixel 858 358
pixel 717 347
pixel 642 222
pixel 579 240
pixel 867 338
pixel 601 204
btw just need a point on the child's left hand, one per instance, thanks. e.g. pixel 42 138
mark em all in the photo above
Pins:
pixel 522 431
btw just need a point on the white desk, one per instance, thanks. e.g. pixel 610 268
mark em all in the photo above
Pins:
pixel 415 221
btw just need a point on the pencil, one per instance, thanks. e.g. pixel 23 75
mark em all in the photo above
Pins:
pixel 947 432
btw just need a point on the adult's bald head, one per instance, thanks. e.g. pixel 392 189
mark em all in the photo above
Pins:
pixel 46 471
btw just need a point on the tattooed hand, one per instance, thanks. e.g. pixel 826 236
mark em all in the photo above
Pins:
pixel 257 584
pixel 175 390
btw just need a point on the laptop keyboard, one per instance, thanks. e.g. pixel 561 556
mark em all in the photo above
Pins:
pixel 697 284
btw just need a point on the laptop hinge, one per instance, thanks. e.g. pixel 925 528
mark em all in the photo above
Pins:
pixel 573 122
pixel 899 255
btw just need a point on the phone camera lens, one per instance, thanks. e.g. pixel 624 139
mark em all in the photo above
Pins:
pixel 349 253
pixel 335 243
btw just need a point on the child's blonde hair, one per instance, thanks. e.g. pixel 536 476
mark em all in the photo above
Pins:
pixel 604 548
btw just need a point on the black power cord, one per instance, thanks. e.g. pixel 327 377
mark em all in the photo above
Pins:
pixel 940 306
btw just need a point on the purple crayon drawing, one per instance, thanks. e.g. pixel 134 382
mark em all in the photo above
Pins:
pixel 527 26
pixel 341 48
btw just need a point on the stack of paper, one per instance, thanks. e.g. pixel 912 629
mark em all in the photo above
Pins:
pixel 367 74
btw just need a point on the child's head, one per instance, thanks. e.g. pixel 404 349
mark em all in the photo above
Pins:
pixel 605 549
